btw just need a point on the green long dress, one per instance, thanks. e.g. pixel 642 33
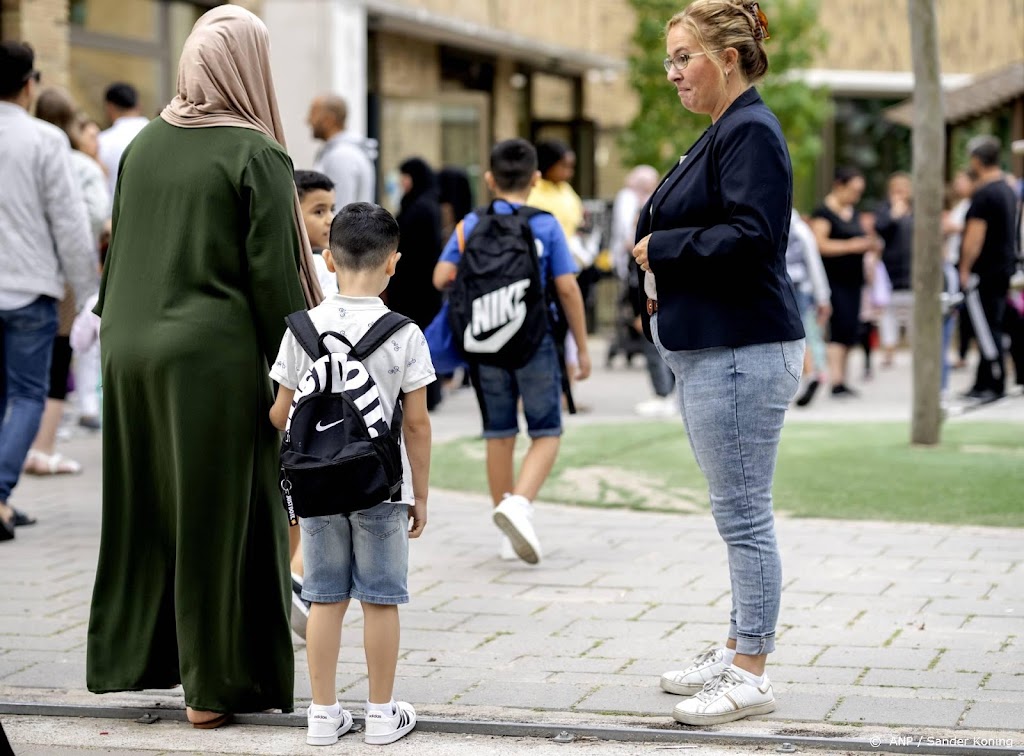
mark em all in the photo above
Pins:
pixel 192 583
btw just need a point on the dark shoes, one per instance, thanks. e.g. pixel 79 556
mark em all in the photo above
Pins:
pixel 983 396
pixel 18 519
pixel 808 395
pixel 842 391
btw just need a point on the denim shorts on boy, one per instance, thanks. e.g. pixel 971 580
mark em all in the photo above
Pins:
pixel 538 383
pixel 362 555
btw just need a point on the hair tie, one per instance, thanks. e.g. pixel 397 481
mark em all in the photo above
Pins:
pixel 761 25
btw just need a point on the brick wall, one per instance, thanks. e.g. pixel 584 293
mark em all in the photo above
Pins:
pixel 44 25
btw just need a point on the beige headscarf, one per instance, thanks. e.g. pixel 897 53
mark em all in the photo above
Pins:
pixel 224 80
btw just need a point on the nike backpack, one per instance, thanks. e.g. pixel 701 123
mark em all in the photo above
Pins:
pixel 496 306
pixel 339 453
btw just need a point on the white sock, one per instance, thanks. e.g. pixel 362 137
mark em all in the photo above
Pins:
pixel 387 709
pixel 333 710
pixel 750 677
pixel 730 654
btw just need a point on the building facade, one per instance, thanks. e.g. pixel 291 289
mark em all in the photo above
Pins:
pixel 444 79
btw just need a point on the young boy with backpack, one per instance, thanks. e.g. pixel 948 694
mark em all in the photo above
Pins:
pixel 353 379
pixel 512 285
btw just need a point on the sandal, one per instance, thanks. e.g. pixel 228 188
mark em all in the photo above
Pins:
pixel 7 527
pixel 41 463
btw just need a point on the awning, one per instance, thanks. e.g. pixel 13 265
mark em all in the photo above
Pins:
pixel 435 27
pixel 983 94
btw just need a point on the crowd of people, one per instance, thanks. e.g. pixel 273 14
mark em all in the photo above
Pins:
pixel 187 242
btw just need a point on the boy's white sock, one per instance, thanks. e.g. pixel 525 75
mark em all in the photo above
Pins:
pixel 333 710
pixel 384 708
pixel 730 654
pixel 756 680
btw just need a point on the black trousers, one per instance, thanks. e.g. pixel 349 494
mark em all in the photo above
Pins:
pixel 991 374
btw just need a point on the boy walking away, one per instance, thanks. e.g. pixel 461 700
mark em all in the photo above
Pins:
pixel 358 554
pixel 512 351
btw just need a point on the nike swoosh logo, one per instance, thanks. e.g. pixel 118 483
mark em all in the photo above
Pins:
pixel 321 427
pixel 496 340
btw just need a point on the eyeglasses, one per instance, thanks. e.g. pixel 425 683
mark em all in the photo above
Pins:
pixel 35 76
pixel 682 60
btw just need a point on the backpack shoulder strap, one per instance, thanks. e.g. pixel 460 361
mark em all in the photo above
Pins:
pixel 379 332
pixel 301 326
pixel 528 211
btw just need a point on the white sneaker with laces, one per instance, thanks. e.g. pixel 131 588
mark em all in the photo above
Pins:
pixel 382 729
pixel 515 518
pixel 323 729
pixel 726 698
pixel 690 681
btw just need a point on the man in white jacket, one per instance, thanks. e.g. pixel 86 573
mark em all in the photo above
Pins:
pixel 45 241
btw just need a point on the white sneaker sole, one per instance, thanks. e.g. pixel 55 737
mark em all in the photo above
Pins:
pixel 523 548
pixel 680 689
pixel 690 718
pixel 389 737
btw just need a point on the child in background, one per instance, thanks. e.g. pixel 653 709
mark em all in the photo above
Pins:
pixel 365 554
pixel 316 198
pixel 513 172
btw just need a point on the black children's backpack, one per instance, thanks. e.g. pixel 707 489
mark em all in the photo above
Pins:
pixel 339 452
pixel 497 309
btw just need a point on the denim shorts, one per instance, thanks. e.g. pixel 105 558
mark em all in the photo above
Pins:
pixel 538 383
pixel 362 555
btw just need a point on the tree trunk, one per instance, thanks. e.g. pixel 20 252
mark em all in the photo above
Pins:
pixel 929 150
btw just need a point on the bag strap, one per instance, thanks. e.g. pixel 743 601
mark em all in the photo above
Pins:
pixel 301 326
pixel 379 332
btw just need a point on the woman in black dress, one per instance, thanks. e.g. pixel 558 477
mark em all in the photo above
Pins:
pixel 843 243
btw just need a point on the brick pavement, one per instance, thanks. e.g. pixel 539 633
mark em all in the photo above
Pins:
pixel 883 624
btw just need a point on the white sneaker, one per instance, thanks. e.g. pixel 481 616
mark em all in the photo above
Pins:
pixel 515 518
pixel 662 406
pixel 690 681
pixel 323 729
pixel 726 698
pixel 382 729
pixel 505 550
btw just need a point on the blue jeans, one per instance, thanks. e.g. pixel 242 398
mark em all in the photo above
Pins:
pixel 538 383
pixel 734 402
pixel 27 337
pixel 362 555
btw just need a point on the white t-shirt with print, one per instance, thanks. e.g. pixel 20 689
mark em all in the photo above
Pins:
pixel 401 363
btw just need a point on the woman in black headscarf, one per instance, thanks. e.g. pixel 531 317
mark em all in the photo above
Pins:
pixel 411 291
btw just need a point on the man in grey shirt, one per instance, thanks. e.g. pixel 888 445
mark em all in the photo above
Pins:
pixel 45 241
pixel 345 159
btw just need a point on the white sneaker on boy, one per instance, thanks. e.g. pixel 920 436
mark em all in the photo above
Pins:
pixel 323 729
pixel 515 518
pixel 726 698
pixel 382 729
pixel 690 681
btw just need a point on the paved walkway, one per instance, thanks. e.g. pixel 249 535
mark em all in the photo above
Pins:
pixel 893 627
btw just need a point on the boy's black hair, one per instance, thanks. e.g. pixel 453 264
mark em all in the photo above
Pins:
pixel 16 63
pixel 310 181
pixel 122 95
pixel 362 236
pixel 513 163
pixel 985 149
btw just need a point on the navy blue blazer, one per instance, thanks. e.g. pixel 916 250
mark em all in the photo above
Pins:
pixel 720 224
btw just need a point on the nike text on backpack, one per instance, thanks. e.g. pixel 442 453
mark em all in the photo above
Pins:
pixel 339 452
pixel 497 309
